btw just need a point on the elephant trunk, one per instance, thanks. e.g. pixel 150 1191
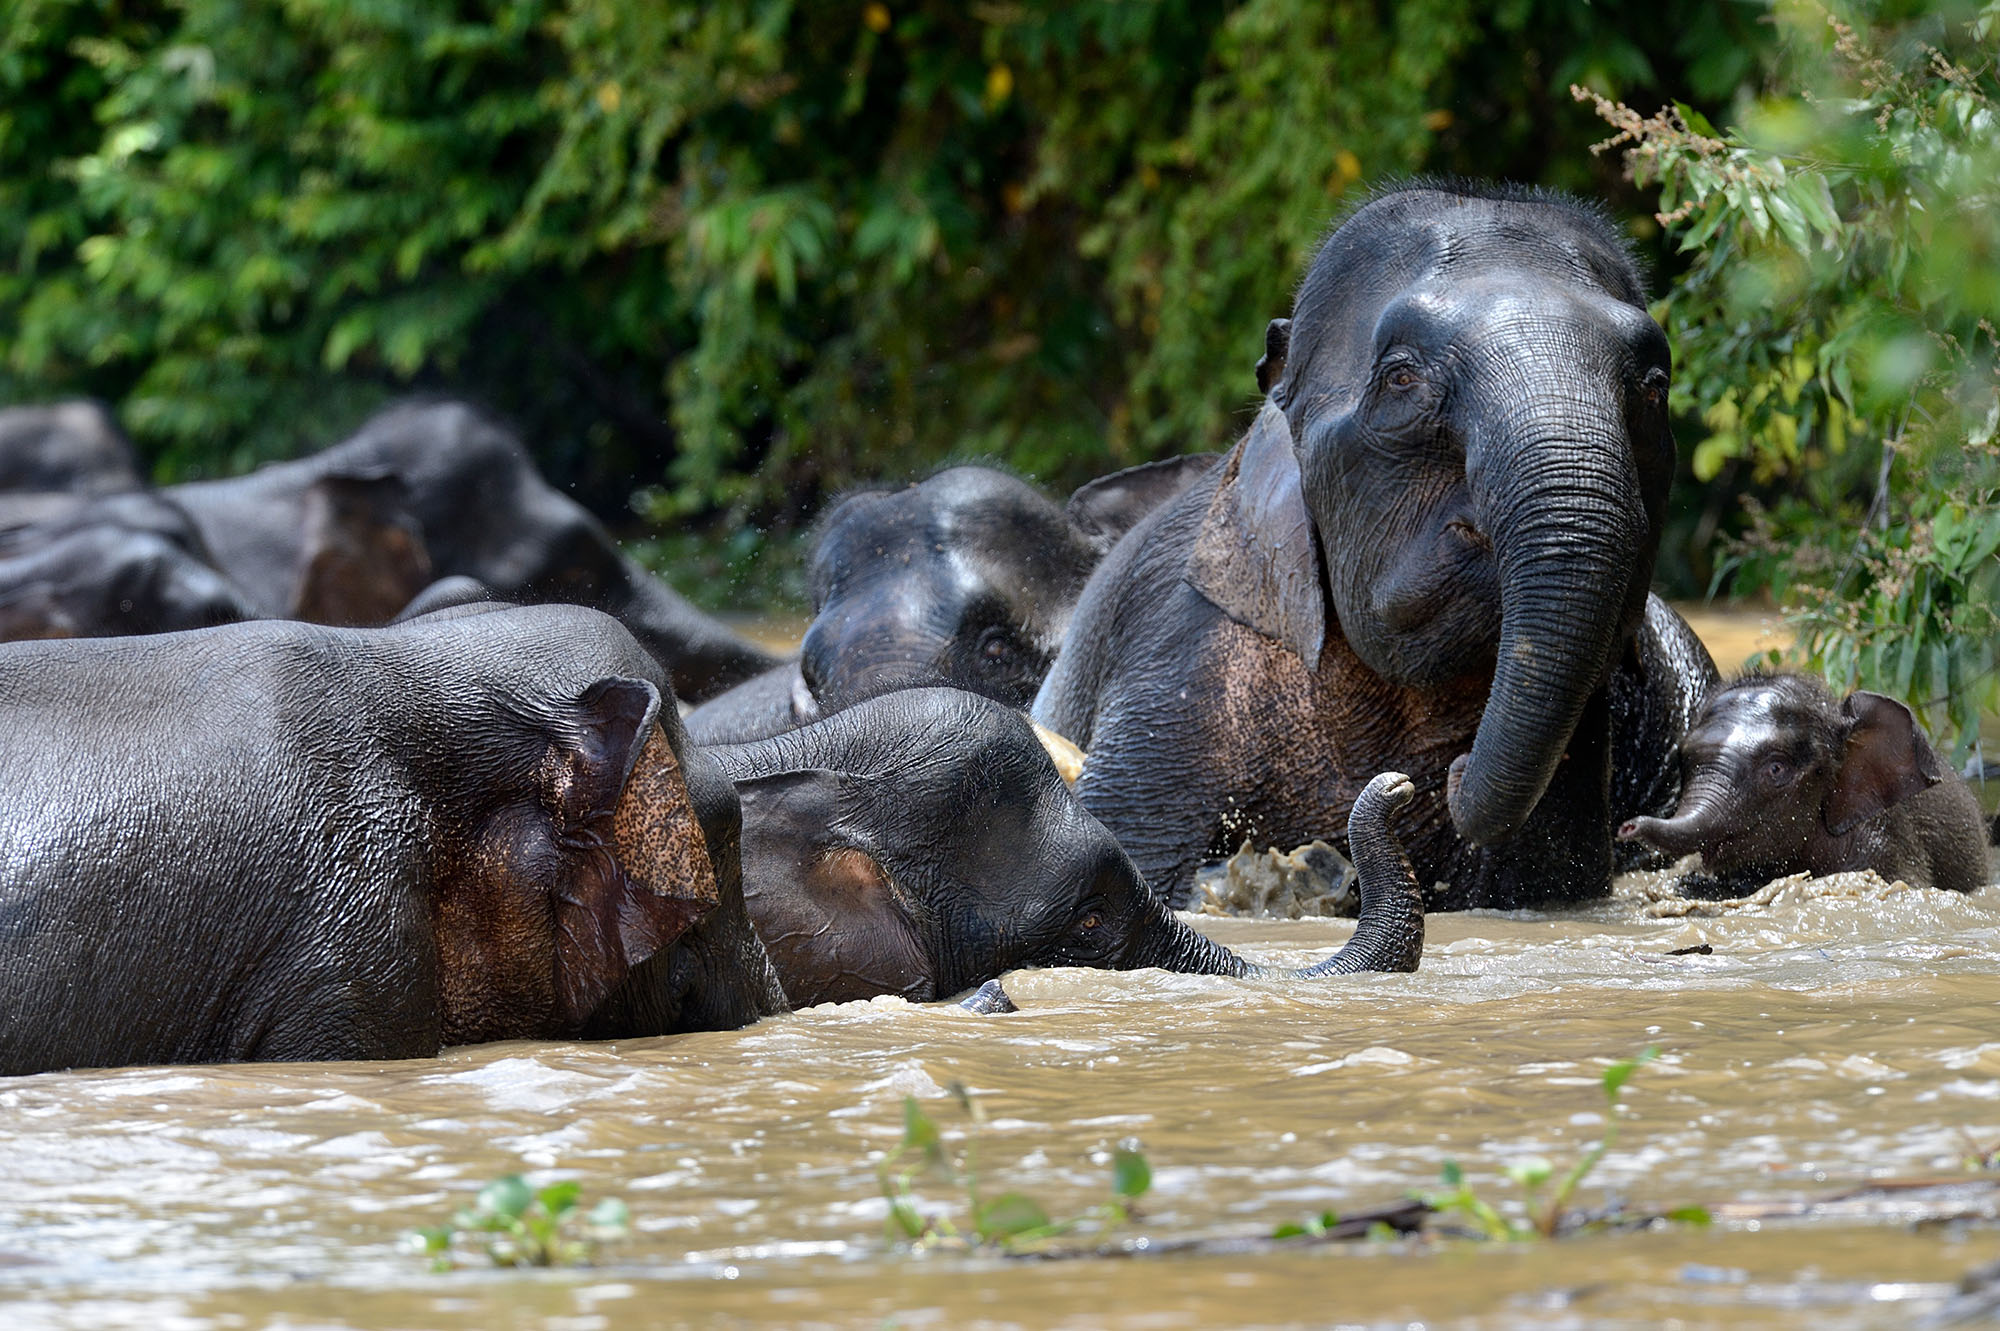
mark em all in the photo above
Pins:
pixel 1571 536
pixel 1388 937
pixel 1701 815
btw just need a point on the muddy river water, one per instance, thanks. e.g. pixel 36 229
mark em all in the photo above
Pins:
pixel 1830 1037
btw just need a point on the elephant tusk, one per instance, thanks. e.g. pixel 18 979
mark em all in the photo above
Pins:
pixel 1066 756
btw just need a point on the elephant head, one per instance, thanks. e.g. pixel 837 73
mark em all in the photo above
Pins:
pixel 1460 468
pixel 923 842
pixel 1775 773
pixel 965 579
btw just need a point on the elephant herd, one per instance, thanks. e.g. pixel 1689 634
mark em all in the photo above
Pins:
pixel 391 747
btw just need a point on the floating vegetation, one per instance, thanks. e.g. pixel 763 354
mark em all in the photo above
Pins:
pixel 515 1224
pixel 1547 1209
pixel 1007 1222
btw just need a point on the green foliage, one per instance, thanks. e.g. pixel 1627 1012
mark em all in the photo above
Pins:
pixel 737 254
pixel 1834 334
pixel 526 1226
pixel 1547 1209
pixel 1009 1222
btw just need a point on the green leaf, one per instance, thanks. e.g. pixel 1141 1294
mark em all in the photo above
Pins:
pixel 505 1198
pixel 557 1198
pixel 1531 1172
pixel 1454 1177
pixel 1009 1214
pixel 1690 1215
pixel 920 1133
pixel 611 1216
pixel 1621 1072
pixel 904 1217
pixel 1131 1175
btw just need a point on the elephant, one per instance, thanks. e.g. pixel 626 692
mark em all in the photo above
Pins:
pixel 473 502
pixel 965 579
pixel 1780 777
pixel 1431 550
pixel 74 447
pixel 276 840
pixel 79 567
pixel 921 843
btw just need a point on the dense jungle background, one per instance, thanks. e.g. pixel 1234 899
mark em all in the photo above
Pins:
pixel 718 261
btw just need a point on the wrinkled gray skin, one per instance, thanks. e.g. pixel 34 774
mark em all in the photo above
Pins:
pixel 281 841
pixel 79 567
pixel 1779 777
pixel 483 511
pixel 68 446
pixel 1431 552
pixel 921 843
pixel 966 579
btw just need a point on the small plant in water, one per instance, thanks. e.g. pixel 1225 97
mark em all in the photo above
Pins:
pixel 525 1226
pixel 1007 1221
pixel 1546 1207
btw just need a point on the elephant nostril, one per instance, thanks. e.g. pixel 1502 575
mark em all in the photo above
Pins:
pixel 1628 830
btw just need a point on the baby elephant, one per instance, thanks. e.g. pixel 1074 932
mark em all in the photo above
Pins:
pixel 921 843
pixel 1778 776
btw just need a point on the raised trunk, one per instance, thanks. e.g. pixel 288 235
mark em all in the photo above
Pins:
pixel 1388 937
pixel 1569 530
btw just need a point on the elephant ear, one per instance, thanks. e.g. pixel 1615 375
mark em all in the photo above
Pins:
pixel 1256 558
pixel 639 874
pixel 363 555
pixel 1886 760
pixel 837 926
pixel 1108 507
pixel 1277 348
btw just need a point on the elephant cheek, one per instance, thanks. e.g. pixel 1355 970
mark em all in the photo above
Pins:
pixel 659 848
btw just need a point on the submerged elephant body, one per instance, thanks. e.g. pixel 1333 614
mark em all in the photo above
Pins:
pixel 922 843
pixel 436 489
pixel 280 841
pixel 1430 552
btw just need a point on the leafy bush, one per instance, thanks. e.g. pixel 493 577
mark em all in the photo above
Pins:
pixel 744 252
pixel 1834 335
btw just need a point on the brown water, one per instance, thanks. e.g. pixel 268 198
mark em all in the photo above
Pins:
pixel 1833 1036
pixel 1825 1041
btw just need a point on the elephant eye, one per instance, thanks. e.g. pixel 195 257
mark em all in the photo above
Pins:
pixel 1089 921
pixel 1777 771
pixel 1653 388
pixel 1402 377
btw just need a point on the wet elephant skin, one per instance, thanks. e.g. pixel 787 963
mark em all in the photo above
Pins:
pixel 922 843
pixel 481 510
pixel 281 841
pixel 1430 552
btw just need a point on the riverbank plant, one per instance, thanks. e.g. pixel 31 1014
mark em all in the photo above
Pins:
pixel 512 1223
pixel 1008 1221
pixel 1834 337
pixel 1546 1197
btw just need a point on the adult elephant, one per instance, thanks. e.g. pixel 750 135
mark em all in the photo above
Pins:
pixel 282 841
pixel 446 491
pixel 964 579
pixel 921 843
pixel 1431 551
pixel 71 446
pixel 76 566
